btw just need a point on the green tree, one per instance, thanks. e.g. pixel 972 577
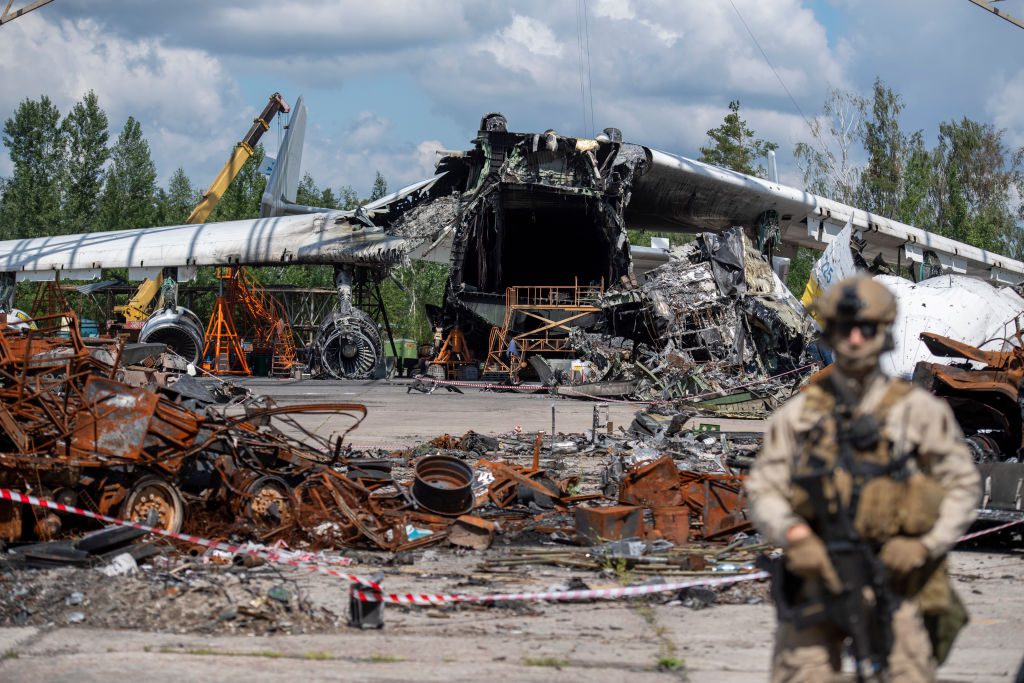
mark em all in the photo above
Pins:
pixel 308 193
pixel 881 182
pixel 31 203
pixel 974 172
pixel 129 193
pixel 423 283
pixel 916 207
pixel 86 136
pixel 327 199
pixel 348 199
pixel 242 197
pixel 380 187
pixel 179 200
pixel 826 162
pixel 800 270
pixel 734 145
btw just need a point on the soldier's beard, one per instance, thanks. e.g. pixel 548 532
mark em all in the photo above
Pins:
pixel 858 363
pixel 858 366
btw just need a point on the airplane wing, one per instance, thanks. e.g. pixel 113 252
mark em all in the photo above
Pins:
pixel 332 237
pixel 679 194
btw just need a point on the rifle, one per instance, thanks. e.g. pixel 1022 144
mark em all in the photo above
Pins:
pixel 868 626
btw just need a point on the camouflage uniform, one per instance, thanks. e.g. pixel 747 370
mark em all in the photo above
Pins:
pixel 912 423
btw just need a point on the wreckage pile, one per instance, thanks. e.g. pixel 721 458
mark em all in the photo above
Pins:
pixel 712 321
pixel 72 432
pixel 170 456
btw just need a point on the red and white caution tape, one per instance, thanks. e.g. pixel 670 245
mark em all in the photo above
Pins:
pixel 370 590
pixel 275 555
pixel 990 530
pixel 593 594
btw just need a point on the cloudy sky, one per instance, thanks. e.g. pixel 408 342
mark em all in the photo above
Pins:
pixel 388 82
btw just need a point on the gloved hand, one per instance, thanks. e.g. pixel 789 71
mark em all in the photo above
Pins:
pixel 902 554
pixel 808 558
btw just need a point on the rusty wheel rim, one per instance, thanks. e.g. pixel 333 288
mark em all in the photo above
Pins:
pixel 152 499
pixel 265 497
pixel 159 499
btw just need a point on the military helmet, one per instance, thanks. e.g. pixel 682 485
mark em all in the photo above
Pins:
pixel 857 299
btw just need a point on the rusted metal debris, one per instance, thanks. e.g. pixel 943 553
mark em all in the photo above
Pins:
pixel 684 505
pixel 71 431
pixel 987 403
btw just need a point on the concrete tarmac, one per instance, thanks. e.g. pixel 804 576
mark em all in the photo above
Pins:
pixel 604 641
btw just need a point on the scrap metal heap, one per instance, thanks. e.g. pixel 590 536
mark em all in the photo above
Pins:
pixel 714 319
pixel 987 402
pixel 71 430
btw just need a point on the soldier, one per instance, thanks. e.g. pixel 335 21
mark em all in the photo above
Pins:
pixel 891 457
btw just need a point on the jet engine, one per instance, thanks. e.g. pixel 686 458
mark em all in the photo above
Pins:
pixel 178 328
pixel 347 346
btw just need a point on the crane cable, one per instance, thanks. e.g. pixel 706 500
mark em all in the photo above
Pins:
pixel 792 99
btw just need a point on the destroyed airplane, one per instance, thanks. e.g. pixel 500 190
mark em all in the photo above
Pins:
pixel 984 390
pixel 533 226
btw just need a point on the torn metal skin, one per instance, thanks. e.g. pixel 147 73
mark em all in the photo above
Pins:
pixel 987 404
pixel 986 401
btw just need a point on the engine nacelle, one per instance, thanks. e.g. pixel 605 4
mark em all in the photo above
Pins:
pixel 178 328
pixel 347 346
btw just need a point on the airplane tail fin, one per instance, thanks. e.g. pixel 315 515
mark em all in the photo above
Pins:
pixel 282 188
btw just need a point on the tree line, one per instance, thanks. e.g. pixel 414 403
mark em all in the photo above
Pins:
pixel 967 186
pixel 67 177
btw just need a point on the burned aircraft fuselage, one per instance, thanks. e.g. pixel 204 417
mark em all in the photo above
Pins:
pixel 536 210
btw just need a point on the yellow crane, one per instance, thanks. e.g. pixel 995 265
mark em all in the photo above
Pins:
pixel 136 310
pixel 241 154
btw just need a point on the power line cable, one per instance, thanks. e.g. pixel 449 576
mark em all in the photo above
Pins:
pixel 792 99
pixel 579 50
pixel 590 80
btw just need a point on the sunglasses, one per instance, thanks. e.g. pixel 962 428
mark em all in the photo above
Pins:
pixel 844 327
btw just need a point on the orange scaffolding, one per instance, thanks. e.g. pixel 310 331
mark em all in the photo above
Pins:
pixel 271 331
pixel 49 299
pixel 549 312
pixel 228 357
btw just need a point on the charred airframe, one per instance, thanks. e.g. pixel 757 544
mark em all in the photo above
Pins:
pixel 535 215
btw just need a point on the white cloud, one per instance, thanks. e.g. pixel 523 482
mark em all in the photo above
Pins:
pixel 526 45
pixel 662 70
pixel 614 9
pixel 362 148
pixel 368 129
pixel 182 96
pixel 1006 107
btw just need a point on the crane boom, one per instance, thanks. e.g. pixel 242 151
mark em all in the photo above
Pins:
pixel 986 5
pixel 239 155
pixel 137 309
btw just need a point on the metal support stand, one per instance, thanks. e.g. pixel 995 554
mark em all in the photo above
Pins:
pixel 364 614
pixel 595 424
pixel 8 288
pixel 552 430
pixel 367 297
pixel 223 344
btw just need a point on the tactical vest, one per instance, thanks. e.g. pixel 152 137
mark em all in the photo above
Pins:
pixel 887 494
